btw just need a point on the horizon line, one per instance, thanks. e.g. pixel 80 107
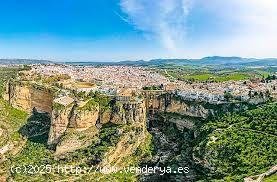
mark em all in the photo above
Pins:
pixel 134 60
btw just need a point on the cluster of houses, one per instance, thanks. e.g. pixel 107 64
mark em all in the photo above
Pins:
pixel 201 97
pixel 124 83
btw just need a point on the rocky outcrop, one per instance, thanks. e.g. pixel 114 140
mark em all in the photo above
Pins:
pixel 19 96
pixel 183 108
pixel 75 139
pixel 59 123
pixel 168 102
pixel 84 116
pixel 128 113
pixel 132 137
pixel 172 103
pixel 81 116
pixel 182 123
pixel 105 116
pixel 27 96
pixel 67 114
pixel 73 127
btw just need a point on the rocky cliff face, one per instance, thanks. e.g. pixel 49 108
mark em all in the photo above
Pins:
pixel 132 137
pixel 73 117
pixel 82 118
pixel 133 134
pixel 128 113
pixel 19 96
pixel 171 103
pixel 59 123
pixel 73 139
pixel 27 97
pixel 73 126
pixel 193 110
pixel 42 99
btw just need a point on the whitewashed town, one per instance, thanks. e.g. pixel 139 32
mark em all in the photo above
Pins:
pixel 125 80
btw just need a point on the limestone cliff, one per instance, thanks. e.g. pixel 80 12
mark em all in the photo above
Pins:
pixel 131 138
pixel 169 102
pixel 183 108
pixel 172 103
pixel 105 116
pixel 77 130
pixel 74 139
pixel 69 116
pixel 128 113
pixel 18 95
pixel 84 116
pixel 27 96
pixel 59 122
pixel 133 134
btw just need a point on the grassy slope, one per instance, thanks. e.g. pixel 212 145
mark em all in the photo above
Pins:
pixel 10 121
pixel 272 178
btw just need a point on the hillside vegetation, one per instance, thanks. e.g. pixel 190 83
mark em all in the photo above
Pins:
pixel 11 119
pixel 196 74
pixel 239 145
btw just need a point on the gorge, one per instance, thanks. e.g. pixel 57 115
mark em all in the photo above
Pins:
pixel 108 131
pixel 67 112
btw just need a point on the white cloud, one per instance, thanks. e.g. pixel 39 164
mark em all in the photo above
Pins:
pixel 254 27
pixel 165 20
pixel 253 31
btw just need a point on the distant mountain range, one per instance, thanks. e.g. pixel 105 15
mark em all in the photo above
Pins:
pixel 207 61
pixel 23 61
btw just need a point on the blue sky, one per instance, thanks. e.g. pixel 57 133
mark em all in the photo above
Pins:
pixel 113 30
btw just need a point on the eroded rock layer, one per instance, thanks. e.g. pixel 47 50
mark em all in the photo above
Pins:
pixel 27 97
pixel 80 118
